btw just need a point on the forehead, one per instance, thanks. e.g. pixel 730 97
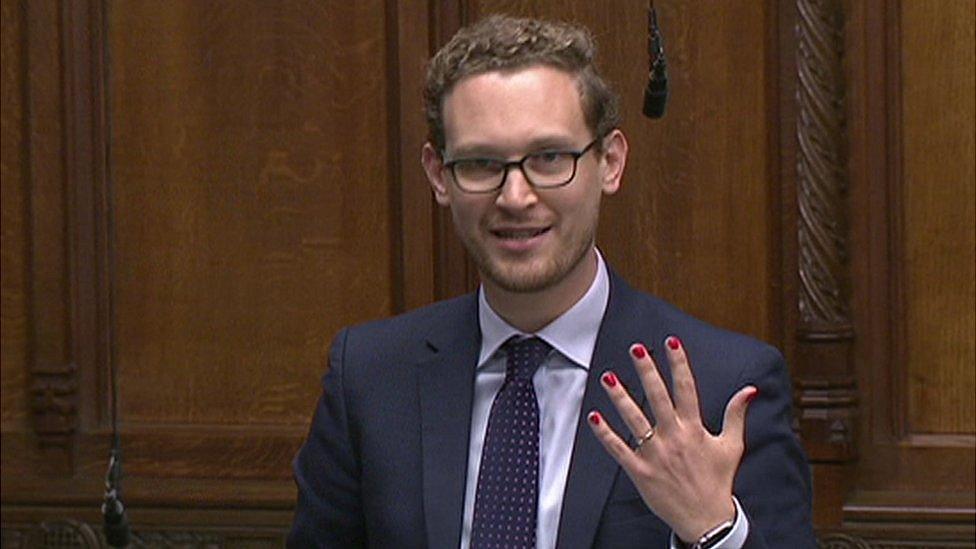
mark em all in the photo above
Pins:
pixel 509 109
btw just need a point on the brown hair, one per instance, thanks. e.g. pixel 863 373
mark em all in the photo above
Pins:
pixel 499 43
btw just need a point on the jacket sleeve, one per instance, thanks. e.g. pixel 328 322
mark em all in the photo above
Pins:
pixel 773 482
pixel 326 469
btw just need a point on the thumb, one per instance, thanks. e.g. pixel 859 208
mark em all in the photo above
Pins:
pixel 733 426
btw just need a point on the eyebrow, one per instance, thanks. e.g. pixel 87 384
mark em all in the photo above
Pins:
pixel 479 150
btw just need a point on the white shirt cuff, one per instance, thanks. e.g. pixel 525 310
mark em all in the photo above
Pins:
pixel 736 537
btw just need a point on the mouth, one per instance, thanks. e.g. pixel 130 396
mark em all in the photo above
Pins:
pixel 519 233
pixel 520 240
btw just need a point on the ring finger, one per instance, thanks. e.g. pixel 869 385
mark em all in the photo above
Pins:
pixel 632 415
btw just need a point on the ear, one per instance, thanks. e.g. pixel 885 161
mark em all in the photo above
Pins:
pixel 434 168
pixel 614 160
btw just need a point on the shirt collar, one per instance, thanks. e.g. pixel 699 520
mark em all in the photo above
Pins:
pixel 573 333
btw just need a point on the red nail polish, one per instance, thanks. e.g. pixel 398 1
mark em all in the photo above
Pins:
pixel 674 343
pixel 638 351
pixel 610 379
pixel 752 396
pixel 594 418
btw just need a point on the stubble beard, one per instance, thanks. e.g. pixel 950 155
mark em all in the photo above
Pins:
pixel 529 277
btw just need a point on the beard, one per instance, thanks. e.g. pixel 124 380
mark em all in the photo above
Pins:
pixel 531 274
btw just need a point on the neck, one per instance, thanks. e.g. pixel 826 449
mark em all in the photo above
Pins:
pixel 532 311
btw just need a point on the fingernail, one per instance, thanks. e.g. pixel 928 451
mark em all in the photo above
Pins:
pixel 752 396
pixel 638 351
pixel 673 342
pixel 594 418
pixel 610 379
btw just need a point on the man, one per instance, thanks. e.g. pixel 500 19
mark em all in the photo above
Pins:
pixel 517 416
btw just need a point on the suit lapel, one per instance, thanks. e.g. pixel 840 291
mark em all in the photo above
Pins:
pixel 446 382
pixel 592 470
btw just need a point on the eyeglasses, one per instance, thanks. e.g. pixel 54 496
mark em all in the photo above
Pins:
pixel 543 170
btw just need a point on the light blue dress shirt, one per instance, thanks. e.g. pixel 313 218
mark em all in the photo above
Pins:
pixel 559 385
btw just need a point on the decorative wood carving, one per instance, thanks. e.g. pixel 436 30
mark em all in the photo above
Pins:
pixel 842 541
pixel 178 539
pixel 826 396
pixel 54 404
pixel 838 540
pixel 71 533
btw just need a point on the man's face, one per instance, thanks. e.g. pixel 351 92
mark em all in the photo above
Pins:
pixel 524 239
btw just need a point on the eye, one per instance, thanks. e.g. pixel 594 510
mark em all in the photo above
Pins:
pixel 478 168
pixel 481 164
pixel 547 157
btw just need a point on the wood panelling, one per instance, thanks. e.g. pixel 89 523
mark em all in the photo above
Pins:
pixel 921 487
pixel 251 177
pixel 251 206
pixel 408 56
pixel 938 198
pixel 14 204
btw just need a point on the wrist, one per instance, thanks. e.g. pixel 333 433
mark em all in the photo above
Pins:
pixel 709 532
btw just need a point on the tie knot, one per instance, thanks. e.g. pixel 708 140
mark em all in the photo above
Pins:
pixel 525 356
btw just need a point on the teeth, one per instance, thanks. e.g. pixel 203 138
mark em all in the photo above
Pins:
pixel 527 233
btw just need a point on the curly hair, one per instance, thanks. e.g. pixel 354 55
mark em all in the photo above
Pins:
pixel 504 43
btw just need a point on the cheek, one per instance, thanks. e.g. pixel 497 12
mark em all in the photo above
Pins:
pixel 579 207
pixel 466 214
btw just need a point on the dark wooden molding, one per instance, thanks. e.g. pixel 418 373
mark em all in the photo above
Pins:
pixel 413 200
pixel 66 168
pixel 826 394
pixel 53 374
pixel 454 273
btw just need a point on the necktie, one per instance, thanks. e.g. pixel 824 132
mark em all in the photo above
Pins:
pixel 506 499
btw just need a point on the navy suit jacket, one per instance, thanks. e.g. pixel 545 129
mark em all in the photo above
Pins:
pixel 385 461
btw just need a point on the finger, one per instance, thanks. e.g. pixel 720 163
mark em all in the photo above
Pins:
pixel 685 392
pixel 734 423
pixel 613 444
pixel 654 387
pixel 628 409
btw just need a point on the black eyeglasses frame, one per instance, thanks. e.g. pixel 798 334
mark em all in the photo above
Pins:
pixel 520 163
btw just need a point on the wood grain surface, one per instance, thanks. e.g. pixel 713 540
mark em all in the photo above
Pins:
pixel 939 208
pixel 13 204
pixel 251 207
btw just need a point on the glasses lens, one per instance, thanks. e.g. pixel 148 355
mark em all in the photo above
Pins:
pixel 548 169
pixel 478 173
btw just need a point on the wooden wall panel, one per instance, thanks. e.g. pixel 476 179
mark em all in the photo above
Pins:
pixel 254 207
pixel 939 200
pixel 915 477
pixel 249 151
pixel 13 249
pixel 694 221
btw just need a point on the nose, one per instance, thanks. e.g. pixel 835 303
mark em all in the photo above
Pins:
pixel 516 192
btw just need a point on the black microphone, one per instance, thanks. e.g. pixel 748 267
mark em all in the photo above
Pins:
pixel 656 93
pixel 116 525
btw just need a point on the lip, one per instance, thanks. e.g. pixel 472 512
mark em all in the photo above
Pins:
pixel 520 239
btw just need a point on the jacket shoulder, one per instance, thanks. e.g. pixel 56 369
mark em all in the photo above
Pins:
pixel 409 333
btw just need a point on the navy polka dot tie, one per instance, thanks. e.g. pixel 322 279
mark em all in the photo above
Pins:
pixel 507 496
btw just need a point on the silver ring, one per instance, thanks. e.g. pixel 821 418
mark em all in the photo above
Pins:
pixel 640 442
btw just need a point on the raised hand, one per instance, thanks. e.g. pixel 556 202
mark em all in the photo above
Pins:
pixel 683 472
